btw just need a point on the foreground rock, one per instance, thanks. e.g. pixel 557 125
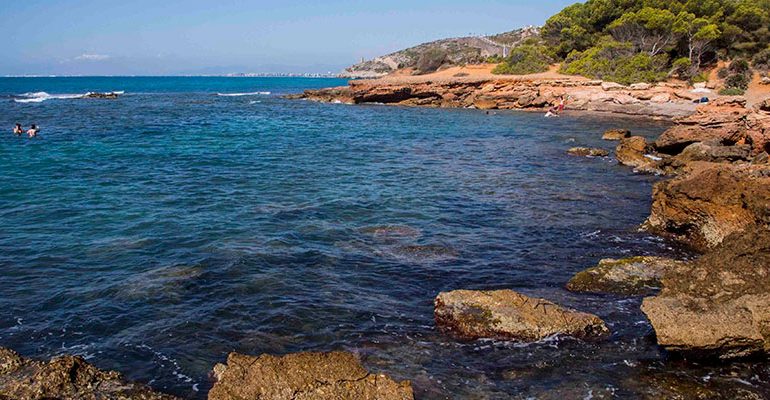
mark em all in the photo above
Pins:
pixel 316 376
pixel 720 305
pixel 629 276
pixel 709 201
pixel 65 378
pixel 507 315
pixel 587 152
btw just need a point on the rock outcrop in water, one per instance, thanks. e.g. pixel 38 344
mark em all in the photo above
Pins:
pixel 588 152
pixel 616 134
pixel 65 378
pixel 629 276
pixel 508 93
pixel 720 305
pixel 709 201
pixel 507 315
pixel 317 376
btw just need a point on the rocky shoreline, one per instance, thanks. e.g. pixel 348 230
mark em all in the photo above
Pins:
pixel 663 100
pixel 716 307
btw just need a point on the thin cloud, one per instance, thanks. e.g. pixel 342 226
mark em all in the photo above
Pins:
pixel 92 57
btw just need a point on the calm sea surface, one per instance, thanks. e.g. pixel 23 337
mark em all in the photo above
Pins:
pixel 155 233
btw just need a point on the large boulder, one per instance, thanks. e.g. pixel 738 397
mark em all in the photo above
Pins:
pixel 507 315
pixel 709 201
pixel 718 306
pixel 303 376
pixel 65 378
pixel 632 276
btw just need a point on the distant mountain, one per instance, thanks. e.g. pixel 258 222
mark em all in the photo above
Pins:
pixel 464 50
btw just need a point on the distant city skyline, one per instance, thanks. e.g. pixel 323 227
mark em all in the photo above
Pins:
pixel 198 37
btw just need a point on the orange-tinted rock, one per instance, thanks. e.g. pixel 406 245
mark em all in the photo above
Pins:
pixel 709 201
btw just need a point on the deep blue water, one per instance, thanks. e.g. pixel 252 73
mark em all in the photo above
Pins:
pixel 155 233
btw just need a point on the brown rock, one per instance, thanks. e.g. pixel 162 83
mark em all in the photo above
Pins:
pixel 507 315
pixel 303 376
pixel 616 134
pixel 485 103
pixel 635 152
pixel 65 378
pixel 720 305
pixel 725 125
pixel 710 201
pixel 587 152
pixel 630 276
pixel 715 152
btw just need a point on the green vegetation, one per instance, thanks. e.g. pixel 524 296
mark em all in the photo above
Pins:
pixel 649 40
pixel 431 60
pixel 525 59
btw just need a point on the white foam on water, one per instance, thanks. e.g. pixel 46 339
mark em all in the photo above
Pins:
pixel 39 97
pixel 244 94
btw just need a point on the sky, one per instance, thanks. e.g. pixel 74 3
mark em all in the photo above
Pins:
pixel 176 37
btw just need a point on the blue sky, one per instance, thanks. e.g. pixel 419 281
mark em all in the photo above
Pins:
pixel 151 37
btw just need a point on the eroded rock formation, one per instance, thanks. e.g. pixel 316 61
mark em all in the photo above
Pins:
pixel 65 378
pixel 629 276
pixel 720 305
pixel 709 201
pixel 507 315
pixel 316 376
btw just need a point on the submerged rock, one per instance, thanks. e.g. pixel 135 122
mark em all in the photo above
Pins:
pixel 709 201
pixel 629 276
pixel 65 378
pixel 507 315
pixel 616 134
pixel 391 231
pixel 720 305
pixel 587 152
pixel 317 376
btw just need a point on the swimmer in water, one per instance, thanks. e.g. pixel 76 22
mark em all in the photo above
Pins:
pixel 17 130
pixel 33 130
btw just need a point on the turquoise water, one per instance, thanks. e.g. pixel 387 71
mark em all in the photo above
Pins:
pixel 155 233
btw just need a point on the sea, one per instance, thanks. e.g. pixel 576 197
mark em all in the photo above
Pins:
pixel 192 217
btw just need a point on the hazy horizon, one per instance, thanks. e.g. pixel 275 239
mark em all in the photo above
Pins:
pixel 89 37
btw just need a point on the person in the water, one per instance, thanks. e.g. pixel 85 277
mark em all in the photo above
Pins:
pixel 33 130
pixel 558 108
pixel 17 130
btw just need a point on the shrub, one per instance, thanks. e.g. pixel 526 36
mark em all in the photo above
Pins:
pixel 723 73
pixel 762 60
pixel 740 66
pixel 430 61
pixel 617 62
pixel 699 78
pixel 682 67
pixel 737 81
pixel 732 92
pixel 525 59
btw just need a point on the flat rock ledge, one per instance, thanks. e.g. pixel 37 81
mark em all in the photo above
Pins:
pixel 634 276
pixel 303 376
pixel 719 306
pixel 508 315
pixel 65 378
